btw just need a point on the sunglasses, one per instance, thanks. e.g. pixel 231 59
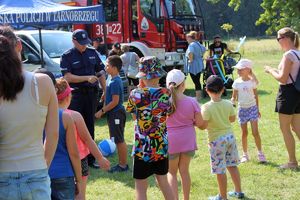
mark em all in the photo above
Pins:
pixel 278 39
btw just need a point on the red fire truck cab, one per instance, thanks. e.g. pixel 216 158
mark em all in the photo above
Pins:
pixel 149 27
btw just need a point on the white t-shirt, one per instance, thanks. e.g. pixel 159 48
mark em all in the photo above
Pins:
pixel 246 97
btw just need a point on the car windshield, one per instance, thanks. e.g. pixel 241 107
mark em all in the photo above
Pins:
pixel 55 44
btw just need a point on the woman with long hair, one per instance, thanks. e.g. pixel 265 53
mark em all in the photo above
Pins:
pixel 288 98
pixel 28 105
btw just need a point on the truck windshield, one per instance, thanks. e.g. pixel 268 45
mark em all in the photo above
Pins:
pixel 182 8
pixel 55 44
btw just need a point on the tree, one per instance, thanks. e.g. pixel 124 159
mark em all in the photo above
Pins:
pixel 277 13
pixel 227 27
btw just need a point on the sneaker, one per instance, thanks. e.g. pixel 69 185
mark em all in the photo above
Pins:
pixel 261 158
pixel 218 197
pixel 118 168
pixel 289 165
pixel 239 195
pixel 245 158
pixel 94 165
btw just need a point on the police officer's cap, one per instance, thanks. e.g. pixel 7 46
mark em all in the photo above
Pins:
pixel 81 37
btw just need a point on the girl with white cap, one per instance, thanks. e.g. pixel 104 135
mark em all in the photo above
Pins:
pixel 185 115
pixel 245 93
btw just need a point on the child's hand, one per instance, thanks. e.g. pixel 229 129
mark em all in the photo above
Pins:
pixel 104 164
pixel 99 114
pixel 78 191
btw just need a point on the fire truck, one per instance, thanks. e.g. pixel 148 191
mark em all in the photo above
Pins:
pixel 149 27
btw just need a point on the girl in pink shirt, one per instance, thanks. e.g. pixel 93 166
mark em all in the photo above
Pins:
pixel 181 132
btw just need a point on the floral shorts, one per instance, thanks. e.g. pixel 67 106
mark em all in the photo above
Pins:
pixel 223 153
pixel 248 114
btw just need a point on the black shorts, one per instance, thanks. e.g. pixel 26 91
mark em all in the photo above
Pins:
pixel 142 169
pixel 288 100
pixel 116 124
pixel 84 167
pixel 135 82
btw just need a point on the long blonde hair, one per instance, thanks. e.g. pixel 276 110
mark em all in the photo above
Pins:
pixel 174 90
pixel 291 34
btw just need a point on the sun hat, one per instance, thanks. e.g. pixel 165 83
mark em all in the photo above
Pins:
pixel 214 83
pixel 244 63
pixel 81 37
pixel 150 68
pixel 175 76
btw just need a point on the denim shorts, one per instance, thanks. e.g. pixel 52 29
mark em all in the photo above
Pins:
pixel 63 188
pixel 34 184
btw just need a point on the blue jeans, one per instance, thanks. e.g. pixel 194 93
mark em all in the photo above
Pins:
pixel 63 188
pixel 29 185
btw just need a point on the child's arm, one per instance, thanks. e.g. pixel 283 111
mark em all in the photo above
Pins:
pixel 256 99
pixel 203 125
pixel 234 96
pixel 108 107
pixel 198 120
pixel 87 139
pixel 72 149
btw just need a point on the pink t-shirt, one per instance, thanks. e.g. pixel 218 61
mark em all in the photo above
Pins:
pixel 180 125
pixel 295 66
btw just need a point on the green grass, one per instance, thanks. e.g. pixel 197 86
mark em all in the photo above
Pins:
pixel 261 182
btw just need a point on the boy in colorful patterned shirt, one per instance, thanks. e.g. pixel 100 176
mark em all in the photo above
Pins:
pixel 149 107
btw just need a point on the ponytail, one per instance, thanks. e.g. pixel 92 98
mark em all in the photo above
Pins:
pixel 296 40
pixel 173 96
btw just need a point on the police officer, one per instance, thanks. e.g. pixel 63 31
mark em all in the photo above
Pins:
pixel 83 68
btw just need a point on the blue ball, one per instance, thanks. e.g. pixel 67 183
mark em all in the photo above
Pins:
pixel 107 147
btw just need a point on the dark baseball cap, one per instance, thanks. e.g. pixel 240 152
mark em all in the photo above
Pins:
pixel 81 37
pixel 214 84
pixel 117 45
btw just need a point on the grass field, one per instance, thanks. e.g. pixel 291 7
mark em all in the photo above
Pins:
pixel 259 181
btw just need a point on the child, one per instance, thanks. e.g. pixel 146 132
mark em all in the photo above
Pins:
pixel 85 143
pixel 181 132
pixel 149 106
pixel 116 116
pixel 66 161
pixel 217 115
pixel 244 91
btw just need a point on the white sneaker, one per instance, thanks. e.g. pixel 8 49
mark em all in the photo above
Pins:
pixel 245 158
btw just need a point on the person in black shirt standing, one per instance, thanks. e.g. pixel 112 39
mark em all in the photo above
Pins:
pixel 83 69
pixel 218 47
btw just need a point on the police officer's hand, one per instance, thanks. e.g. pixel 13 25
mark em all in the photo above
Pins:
pixel 92 79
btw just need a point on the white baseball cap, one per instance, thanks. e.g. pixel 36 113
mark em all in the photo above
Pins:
pixel 175 76
pixel 244 63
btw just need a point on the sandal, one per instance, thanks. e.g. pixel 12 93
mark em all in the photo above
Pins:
pixel 289 165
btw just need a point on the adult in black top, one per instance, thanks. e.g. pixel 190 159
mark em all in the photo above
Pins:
pixel 83 69
pixel 218 47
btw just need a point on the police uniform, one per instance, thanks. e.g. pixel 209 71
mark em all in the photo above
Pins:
pixel 85 94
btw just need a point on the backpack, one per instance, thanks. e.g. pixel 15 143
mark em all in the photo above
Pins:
pixel 296 82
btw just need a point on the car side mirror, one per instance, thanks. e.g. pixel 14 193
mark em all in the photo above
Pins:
pixel 33 59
